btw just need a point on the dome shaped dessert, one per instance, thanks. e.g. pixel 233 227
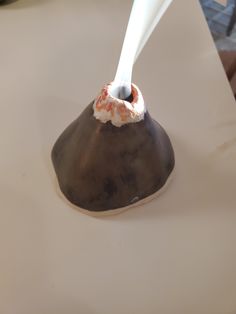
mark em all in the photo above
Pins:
pixel 113 156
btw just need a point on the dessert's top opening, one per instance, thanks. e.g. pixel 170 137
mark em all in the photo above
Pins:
pixel 122 92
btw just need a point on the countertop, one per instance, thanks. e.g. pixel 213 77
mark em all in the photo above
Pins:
pixel 176 254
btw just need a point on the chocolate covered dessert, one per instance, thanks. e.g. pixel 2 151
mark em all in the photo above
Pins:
pixel 113 156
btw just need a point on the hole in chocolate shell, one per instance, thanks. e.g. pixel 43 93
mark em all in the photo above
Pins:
pixel 121 92
pixel 130 98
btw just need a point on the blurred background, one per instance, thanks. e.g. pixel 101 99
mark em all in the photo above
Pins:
pixel 221 20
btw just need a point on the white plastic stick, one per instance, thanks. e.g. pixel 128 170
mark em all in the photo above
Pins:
pixel 145 14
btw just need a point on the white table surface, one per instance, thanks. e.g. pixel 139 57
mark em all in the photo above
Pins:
pixel 175 255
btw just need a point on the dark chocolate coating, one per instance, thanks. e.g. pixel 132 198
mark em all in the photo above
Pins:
pixel 101 167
